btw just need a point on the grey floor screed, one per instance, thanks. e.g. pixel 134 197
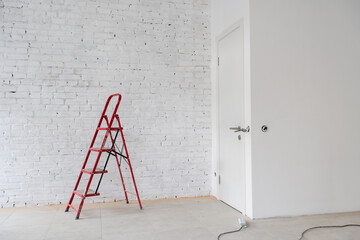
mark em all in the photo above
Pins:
pixel 187 218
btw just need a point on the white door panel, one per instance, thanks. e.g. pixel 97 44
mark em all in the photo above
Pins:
pixel 231 114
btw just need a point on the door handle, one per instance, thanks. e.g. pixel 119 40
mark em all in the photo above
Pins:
pixel 239 129
pixel 236 129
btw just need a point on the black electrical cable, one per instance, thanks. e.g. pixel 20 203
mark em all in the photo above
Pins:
pixel 340 226
pixel 229 232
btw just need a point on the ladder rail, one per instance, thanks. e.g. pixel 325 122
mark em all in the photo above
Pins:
pixel 128 160
pixel 104 116
pixel 115 109
pixel 122 179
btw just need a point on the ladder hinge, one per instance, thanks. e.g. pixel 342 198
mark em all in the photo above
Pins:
pixel 218 61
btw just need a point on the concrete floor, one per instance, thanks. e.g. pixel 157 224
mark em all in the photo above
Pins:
pixel 187 218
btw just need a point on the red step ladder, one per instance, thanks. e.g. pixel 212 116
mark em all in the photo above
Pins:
pixel 114 150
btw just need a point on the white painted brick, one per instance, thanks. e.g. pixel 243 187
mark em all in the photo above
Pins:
pixel 59 66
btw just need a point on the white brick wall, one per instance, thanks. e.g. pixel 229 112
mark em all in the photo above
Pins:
pixel 59 61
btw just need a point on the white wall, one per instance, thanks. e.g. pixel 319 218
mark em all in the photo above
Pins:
pixel 305 69
pixel 224 15
pixel 59 61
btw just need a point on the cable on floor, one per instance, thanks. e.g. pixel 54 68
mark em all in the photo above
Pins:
pixel 229 232
pixel 340 226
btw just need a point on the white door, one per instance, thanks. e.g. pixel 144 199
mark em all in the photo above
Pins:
pixel 231 114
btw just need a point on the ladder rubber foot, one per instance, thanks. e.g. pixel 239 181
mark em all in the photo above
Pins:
pixel 66 210
pixel 77 218
pixel 140 208
pixel 127 202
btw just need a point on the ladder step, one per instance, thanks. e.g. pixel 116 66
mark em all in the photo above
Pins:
pixel 100 150
pixel 90 193
pixel 112 129
pixel 90 170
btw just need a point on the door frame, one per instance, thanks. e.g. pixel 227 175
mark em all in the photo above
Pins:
pixel 239 23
